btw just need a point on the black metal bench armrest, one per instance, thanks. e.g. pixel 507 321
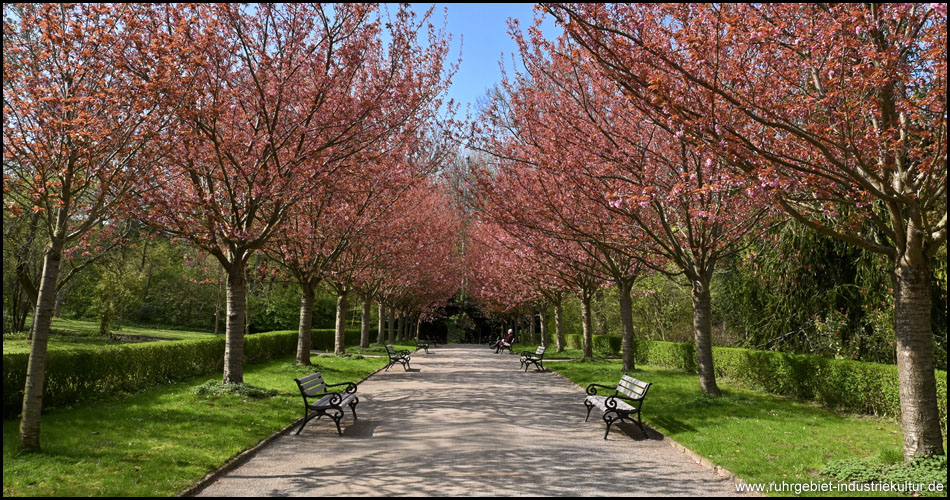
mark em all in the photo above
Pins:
pixel 592 388
pixel 624 398
pixel 350 386
pixel 334 401
pixel 611 401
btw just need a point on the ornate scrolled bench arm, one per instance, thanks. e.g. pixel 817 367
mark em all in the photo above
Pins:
pixel 592 388
pixel 350 387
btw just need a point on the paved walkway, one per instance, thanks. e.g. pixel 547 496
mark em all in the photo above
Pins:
pixel 467 422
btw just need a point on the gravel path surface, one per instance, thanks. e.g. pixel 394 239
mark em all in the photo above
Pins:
pixel 467 422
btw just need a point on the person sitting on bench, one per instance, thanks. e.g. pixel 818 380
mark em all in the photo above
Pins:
pixel 505 343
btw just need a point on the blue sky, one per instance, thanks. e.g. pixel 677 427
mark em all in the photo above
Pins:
pixel 482 29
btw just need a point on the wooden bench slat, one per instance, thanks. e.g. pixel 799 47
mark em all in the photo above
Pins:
pixel 633 381
pixel 633 392
pixel 311 385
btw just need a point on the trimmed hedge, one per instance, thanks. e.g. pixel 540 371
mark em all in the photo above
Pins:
pixel 78 374
pixel 855 386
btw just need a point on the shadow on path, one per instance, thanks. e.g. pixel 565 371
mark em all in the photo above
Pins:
pixel 469 423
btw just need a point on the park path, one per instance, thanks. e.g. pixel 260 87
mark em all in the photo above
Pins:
pixel 465 421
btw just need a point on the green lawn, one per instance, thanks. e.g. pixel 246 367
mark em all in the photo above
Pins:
pixel 758 436
pixel 163 440
pixel 551 352
pixel 67 334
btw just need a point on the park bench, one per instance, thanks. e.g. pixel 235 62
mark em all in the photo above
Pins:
pixel 422 344
pixel 329 403
pixel 619 405
pixel 536 358
pixel 502 345
pixel 397 357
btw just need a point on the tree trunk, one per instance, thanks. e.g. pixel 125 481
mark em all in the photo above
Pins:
pixel 36 366
pixel 381 332
pixel 532 328
pixel 305 330
pixel 558 331
pixel 247 308
pixel 339 342
pixel 702 333
pixel 588 329
pixel 364 323
pixel 397 322
pixel 544 327
pixel 418 326
pixel 626 318
pixel 235 326
pixel 217 302
pixel 920 416
pixel 392 325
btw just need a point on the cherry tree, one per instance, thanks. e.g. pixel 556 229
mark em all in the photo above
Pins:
pixel 836 111
pixel 420 267
pixel 279 99
pixel 629 183
pixel 80 132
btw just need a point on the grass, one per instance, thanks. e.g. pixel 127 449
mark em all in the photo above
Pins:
pixel 71 334
pixel 758 436
pixel 551 352
pixel 380 349
pixel 161 441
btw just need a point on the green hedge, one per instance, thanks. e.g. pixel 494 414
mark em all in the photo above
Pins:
pixel 854 386
pixel 602 343
pixel 77 374
pixel 323 339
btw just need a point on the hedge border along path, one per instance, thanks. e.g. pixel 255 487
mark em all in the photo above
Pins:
pixel 80 374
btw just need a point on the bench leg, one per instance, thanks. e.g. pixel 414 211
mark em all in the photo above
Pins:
pixel 307 417
pixel 353 407
pixel 336 419
pixel 589 408
pixel 610 419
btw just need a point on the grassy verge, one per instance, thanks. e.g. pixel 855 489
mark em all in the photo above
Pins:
pixel 159 442
pixel 67 334
pixel 758 436
pixel 551 352
pixel 380 349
